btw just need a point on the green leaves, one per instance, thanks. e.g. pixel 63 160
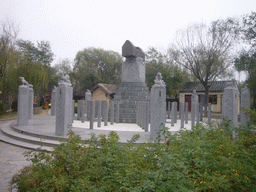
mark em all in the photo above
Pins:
pixel 94 66
pixel 173 76
pixel 205 159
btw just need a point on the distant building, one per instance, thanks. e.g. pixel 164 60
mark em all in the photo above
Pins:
pixel 215 94
pixel 103 92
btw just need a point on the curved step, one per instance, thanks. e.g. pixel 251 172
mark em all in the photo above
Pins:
pixel 23 144
pixel 8 131
pixel 38 135
pixel 8 135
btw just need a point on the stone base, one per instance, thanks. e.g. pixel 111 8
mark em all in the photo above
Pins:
pixel 128 96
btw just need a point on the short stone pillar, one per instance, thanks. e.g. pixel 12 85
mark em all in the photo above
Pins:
pixel 173 114
pixel 197 112
pixel 31 102
pixel 53 101
pixel 209 112
pixel 106 109
pixel 99 113
pixel 193 114
pixel 181 115
pixel 169 109
pixel 186 113
pixel 112 115
pixel 73 110
pixel 64 103
pixel 88 97
pixel 179 111
pixel 147 116
pixel 80 109
pixel 230 103
pixel 158 107
pixel 23 107
pixel 201 111
pixel 92 112
pixel 245 103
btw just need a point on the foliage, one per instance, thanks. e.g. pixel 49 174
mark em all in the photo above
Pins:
pixel 14 106
pixel 1 108
pixel 8 61
pixel 205 159
pixel 42 52
pixel 173 76
pixel 94 66
pixel 246 61
pixel 64 66
pixel 22 59
pixel 206 50
pixel 40 57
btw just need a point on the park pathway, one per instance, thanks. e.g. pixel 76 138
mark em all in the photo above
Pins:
pixel 11 161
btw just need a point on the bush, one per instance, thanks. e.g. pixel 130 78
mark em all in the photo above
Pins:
pixel 14 105
pixel 75 109
pixel 1 108
pixel 205 159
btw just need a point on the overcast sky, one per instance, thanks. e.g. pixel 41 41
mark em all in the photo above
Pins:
pixel 71 26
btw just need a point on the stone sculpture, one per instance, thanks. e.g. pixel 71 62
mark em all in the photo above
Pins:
pixel 23 81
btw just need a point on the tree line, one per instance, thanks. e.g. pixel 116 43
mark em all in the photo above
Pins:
pixel 200 52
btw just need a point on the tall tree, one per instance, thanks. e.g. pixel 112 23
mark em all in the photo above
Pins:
pixel 206 50
pixel 246 61
pixel 173 75
pixel 40 53
pixel 94 66
pixel 63 66
pixel 9 58
pixel 16 61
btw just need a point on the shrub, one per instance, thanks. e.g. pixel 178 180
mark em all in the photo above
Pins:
pixel 14 105
pixel 205 159
pixel 1 108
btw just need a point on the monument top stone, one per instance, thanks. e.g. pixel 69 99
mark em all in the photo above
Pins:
pixel 129 50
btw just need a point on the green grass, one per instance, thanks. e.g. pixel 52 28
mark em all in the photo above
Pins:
pixel 13 115
pixel 9 115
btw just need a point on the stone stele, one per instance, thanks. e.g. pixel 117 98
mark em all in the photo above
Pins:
pixel 133 87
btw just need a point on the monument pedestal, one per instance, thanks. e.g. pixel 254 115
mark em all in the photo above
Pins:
pixel 128 96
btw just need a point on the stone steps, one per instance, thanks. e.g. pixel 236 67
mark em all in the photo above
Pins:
pixel 9 135
pixel 23 144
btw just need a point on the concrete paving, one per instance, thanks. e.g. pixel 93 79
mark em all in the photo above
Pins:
pixel 11 161
pixel 45 126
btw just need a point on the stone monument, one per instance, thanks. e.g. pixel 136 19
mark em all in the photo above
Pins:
pixel 23 103
pixel 88 97
pixel 133 87
pixel 31 101
pixel 64 104
pixel 53 101
pixel 230 103
pixel 158 107
pixel 245 102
